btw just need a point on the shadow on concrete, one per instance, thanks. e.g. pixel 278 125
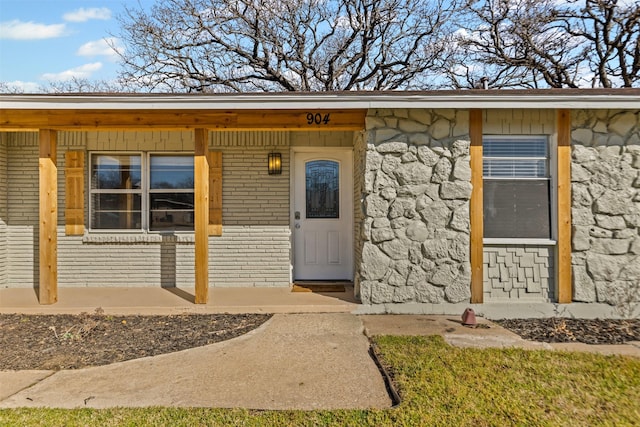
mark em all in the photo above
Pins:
pixel 168 276
pixel 182 294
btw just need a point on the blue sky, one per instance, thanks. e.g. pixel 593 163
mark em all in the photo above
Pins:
pixel 53 40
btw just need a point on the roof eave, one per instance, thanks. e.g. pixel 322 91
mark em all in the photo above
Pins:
pixel 486 99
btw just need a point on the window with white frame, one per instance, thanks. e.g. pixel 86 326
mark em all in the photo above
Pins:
pixel 517 187
pixel 153 191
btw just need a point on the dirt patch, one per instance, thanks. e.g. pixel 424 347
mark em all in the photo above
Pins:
pixel 77 341
pixel 589 331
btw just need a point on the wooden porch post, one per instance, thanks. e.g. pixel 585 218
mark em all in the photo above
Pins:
pixel 201 213
pixel 563 122
pixel 476 209
pixel 48 218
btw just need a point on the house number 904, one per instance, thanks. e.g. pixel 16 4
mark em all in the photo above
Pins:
pixel 318 118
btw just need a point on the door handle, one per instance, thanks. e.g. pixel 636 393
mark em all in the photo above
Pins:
pixel 297 226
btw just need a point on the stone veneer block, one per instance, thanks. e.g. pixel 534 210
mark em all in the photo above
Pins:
pixel 605 208
pixel 418 184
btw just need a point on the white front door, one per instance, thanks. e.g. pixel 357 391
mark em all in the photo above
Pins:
pixel 323 215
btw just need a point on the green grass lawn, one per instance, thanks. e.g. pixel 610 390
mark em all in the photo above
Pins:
pixel 439 385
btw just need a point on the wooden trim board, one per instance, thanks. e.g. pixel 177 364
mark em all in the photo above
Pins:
pixel 476 207
pixel 564 286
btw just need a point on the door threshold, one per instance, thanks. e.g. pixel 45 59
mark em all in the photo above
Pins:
pixel 320 285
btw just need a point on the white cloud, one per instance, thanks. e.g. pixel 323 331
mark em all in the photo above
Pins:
pixel 81 72
pixel 83 15
pixel 19 30
pixel 102 47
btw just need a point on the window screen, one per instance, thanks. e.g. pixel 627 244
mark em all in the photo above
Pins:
pixel 516 188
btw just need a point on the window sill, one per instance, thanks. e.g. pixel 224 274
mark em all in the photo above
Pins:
pixel 137 238
pixel 520 242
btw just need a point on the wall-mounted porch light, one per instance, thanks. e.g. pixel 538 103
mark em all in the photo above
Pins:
pixel 275 163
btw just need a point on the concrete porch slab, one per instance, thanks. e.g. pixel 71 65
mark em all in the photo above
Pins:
pixel 177 300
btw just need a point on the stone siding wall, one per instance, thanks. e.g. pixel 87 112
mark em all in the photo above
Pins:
pixel 518 273
pixel 359 168
pixel 416 207
pixel 605 175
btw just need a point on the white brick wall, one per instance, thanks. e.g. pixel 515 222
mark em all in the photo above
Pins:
pixel 251 256
pixel 22 210
pixel 253 251
pixel 115 264
pixel 251 196
pixel 3 209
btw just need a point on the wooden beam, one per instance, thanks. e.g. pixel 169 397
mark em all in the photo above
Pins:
pixel 48 216
pixel 201 214
pixel 476 209
pixel 301 120
pixel 563 279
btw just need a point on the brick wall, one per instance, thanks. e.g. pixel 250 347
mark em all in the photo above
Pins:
pixel 255 246
pixel 250 195
pixel 22 209
pixel 3 209
pixel 253 251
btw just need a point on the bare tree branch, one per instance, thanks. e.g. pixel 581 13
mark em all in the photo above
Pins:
pixel 285 45
pixel 546 43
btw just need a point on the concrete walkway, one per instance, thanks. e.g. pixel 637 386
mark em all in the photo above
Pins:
pixel 294 361
pixel 316 358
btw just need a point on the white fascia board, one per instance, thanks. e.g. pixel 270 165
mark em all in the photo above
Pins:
pixel 184 102
pixel 504 100
pixel 341 101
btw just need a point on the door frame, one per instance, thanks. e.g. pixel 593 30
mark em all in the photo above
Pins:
pixel 292 174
